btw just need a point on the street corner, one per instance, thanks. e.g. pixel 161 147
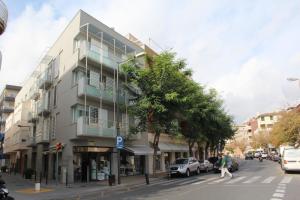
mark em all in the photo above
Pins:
pixel 33 191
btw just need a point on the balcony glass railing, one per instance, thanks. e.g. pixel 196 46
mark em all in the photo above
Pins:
pixel 101 129
pixel 99 55
pixel 43 106
pixel 98 93
pixel 44 80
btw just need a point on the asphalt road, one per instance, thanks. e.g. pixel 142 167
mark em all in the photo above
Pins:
pixel 254 181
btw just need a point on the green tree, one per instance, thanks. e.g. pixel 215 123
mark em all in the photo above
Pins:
pixel 164 87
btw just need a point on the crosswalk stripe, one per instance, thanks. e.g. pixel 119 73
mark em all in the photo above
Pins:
pixel 171 182
pixel 218 181
pixel 251 180
pixel 236 180
pixel 187 182
pixel 207 180
pixel 286 179
pixel 269 179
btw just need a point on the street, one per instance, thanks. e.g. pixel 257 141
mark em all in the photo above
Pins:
pixel 254 180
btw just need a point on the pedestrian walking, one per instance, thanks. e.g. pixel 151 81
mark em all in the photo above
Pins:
pixel 224 166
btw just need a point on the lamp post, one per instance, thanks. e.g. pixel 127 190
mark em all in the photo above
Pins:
pixel 292 79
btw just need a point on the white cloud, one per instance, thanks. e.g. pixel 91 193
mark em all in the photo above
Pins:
pixel 245 49
pixel 25 40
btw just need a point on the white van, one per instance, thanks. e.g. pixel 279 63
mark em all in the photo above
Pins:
pixel 290 160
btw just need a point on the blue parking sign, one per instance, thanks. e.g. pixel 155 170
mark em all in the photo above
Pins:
pixel 120 142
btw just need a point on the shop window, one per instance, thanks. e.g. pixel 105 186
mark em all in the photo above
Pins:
pixel 157 162
pixel 185 154
pixel 177 155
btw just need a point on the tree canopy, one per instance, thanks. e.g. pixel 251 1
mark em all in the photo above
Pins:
pixel 170 102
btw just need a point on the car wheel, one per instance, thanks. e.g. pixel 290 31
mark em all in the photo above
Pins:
pixel 187 173
pixel 198 170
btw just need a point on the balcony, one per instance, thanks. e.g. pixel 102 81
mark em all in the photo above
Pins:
pixel 31 142
pixel 42 137
pixel 95 93
pixel 32 117
pixel 6 109
pixel 96 55
pixel 9 98
pixel 43 108
pixel 45 80
pixel 105 129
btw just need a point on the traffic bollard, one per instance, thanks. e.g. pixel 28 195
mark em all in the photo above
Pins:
pixel 147 179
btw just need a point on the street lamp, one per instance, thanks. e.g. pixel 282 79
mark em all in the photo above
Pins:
pixel 294 79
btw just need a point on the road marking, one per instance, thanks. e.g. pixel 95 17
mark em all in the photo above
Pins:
pixel 280 191
pixel 275 199
pixel 286 179
pixel 278 195
pixel 268 180
pixel 207 180
pixel 236 180
pixel 251 180
pixel 219 181
pixel 171 182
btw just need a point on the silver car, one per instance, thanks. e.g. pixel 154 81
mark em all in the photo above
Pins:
pixel 185 166
pixel 206 166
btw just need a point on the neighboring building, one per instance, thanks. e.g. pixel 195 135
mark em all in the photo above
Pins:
pixel 71 98
pixel 7 100
pixel 3 16
pixel 266 121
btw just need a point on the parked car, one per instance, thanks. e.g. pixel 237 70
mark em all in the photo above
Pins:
pixel 290 160
pixel 257 154
pixel 185 166
pixel 233 165
pixel 264 155
pixel 213 160
pixel 249 156
pixel 205 165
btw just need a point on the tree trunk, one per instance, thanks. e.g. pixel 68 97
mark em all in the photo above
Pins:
pixel 200 151
pixel 155 147
pixel 206 150
pixel 191 144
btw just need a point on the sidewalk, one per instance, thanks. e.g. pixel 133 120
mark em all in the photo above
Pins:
pixel 22 189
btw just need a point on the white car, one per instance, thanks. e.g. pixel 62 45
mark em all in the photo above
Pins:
pixel 257 154
pixel 185 166
pixel 264 155
pixel 290 160
pixel 206 166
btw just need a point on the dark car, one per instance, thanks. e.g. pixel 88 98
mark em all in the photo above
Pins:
pixel 232 163
pixel 249 156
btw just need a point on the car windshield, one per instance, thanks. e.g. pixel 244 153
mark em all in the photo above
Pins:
pixel 292 153
pixel 181 161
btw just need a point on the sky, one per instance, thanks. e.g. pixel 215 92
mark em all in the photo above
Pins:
pixel 245 49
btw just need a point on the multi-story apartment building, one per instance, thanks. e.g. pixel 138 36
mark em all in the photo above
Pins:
pixel 266 121
pixel 75 97
pixel 7 100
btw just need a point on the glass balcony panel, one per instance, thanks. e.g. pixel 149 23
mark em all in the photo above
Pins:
pixel 104 128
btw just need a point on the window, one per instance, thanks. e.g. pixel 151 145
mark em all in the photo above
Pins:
pixel 93 115
pixel 262 118
pixel 53 135
pixel 271 117
pixel 262 126
pixel 76 45
pixel 54 96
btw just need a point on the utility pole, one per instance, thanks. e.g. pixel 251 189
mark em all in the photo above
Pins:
pixel 118 126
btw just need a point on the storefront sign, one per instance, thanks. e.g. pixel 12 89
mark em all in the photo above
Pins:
pixel 119 142
pixel 91 149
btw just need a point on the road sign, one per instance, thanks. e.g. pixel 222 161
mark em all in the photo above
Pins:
pixel 119 142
